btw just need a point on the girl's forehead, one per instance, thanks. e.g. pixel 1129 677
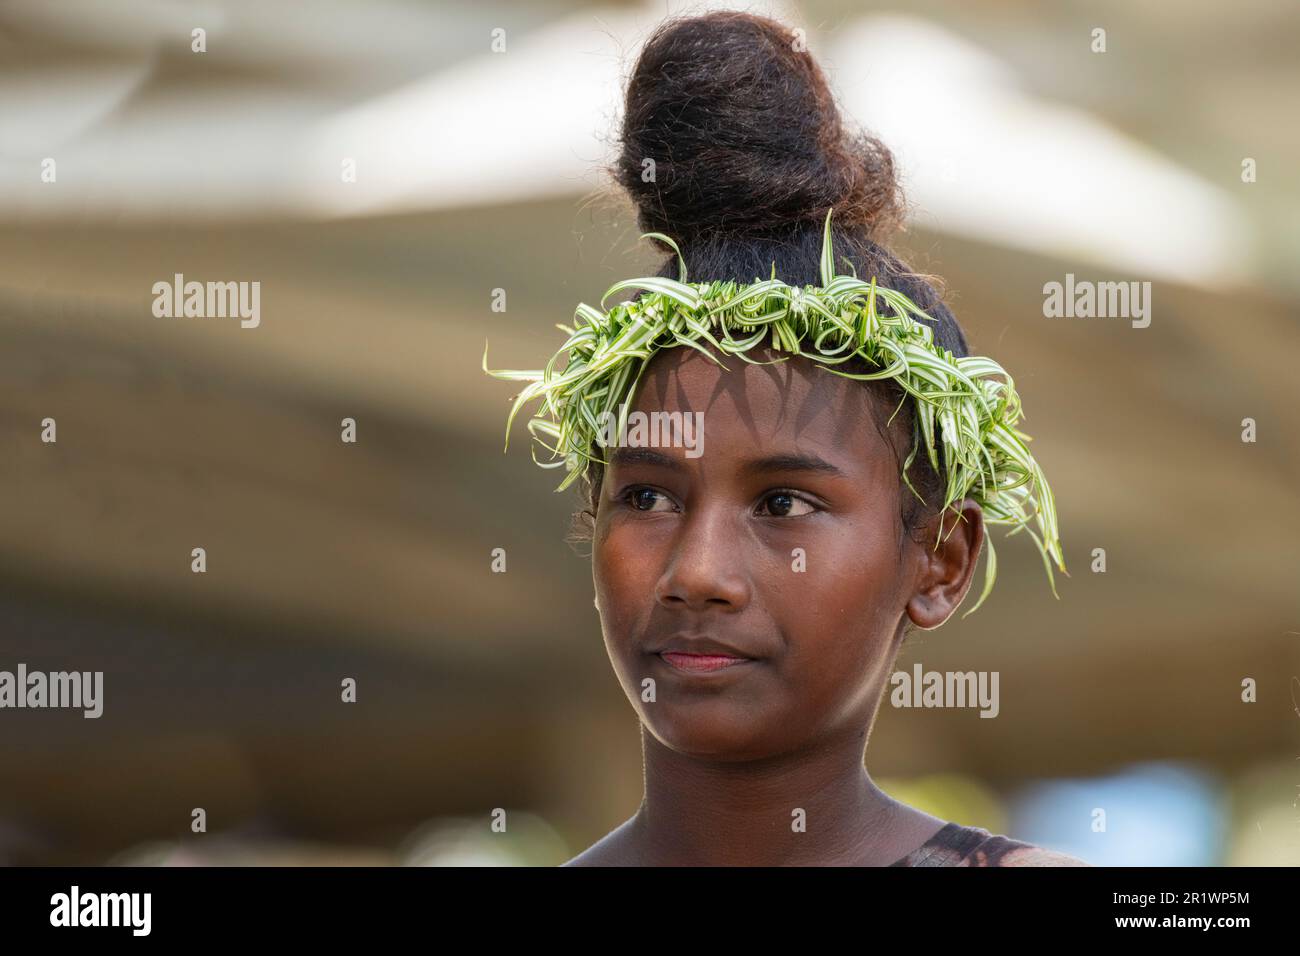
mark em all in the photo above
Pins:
pixel 791 391
pixel 792 406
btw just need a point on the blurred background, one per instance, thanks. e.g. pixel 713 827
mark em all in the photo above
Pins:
pixel 128 154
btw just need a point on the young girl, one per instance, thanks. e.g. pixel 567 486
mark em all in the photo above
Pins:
pixel 755 587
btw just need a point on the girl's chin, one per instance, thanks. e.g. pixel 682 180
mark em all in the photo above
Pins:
pixel 715 743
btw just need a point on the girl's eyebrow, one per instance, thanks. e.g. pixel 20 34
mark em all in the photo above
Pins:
pixel 790 462
pixel 644 456
pixel 754 466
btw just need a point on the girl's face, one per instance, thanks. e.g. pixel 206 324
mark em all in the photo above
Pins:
pixel 782 543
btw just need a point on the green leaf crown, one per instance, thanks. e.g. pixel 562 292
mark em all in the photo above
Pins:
pixel 970 399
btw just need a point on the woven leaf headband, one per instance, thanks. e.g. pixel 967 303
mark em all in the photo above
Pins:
pixel 971 399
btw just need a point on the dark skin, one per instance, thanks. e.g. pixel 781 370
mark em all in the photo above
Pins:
pixel 704 545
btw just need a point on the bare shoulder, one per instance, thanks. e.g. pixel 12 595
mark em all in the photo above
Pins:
pixel 1029 855
pixel 594 855
pixel 610 850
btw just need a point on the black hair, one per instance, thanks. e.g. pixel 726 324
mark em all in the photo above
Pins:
pixel 749 153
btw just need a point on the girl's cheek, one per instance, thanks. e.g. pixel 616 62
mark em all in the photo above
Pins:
pixel 626 582
pixel 625 592
pixel 620 577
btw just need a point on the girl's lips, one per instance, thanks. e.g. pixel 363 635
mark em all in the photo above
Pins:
pixel 701 662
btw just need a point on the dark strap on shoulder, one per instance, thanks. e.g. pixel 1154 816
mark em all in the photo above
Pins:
pixel 952 844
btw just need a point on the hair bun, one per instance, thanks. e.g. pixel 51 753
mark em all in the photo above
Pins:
pixel 745 137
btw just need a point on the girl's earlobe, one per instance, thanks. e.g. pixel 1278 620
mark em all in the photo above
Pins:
pixel 927 614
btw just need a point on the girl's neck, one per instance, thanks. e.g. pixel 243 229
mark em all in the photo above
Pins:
pixel 803 809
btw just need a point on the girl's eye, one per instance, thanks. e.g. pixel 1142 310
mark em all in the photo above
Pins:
pixel 642 499
pixel 784 503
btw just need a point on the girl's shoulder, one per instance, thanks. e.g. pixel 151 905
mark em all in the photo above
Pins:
pixel 609 850
pixel 956 845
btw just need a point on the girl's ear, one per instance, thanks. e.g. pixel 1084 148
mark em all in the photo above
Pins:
pixel 946 563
